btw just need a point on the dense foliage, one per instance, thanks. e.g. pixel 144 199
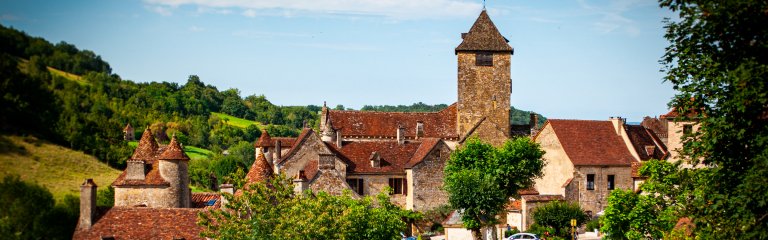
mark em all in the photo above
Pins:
pixel 273 211
pixel 29 212
pixel 516 116
pixel 558 215
pixel 718 61
pixel 480 178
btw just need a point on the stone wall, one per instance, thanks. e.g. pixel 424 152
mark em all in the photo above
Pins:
pixel 483 91
pixel 175 172
pixel 310 150
pixel 675 135
pixel 374 184
pixel 426 181
pixel 596 200
pixel 558 168
pixel 153 197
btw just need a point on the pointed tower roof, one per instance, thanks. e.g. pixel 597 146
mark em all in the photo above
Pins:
pixel 173 151
pixel 128 127
pixel 147 146
pixel 483 36
pixel 260 171
pixel 265 140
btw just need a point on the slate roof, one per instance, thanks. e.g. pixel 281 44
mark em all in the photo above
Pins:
pixel 143 223
pixel 260 171
pixel 362 124
pixel 484 36
pixel 640 137
pixel 173 151
pixel 591 143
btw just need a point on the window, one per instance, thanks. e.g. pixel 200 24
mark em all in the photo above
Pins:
pixel 398 185
pixel 590 181
pixel 610 182
pixel 356 184
pixel 484 59
pixel 687 129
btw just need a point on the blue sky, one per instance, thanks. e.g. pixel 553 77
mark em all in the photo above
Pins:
pixel 573 59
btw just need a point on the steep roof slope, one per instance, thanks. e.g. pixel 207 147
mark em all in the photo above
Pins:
pixel 484 36
pixel 143 223
pixel 591 143
pixel 440 124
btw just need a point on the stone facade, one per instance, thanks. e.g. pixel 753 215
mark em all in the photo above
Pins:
pixel 426 181
pixel 374 184
pixel 595 200
pixel 157 197
pixel 484 92
pixel 558 168
pixel 177 173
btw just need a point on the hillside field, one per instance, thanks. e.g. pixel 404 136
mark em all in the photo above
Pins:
pixel 58 168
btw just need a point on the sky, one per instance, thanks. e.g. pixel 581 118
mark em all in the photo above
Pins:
pixel 573 59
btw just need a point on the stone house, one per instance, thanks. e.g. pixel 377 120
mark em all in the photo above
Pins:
pixel 152 198
pixel 128 133
pixel 671 128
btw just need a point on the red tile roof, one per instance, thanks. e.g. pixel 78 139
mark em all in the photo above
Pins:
pixel 426 146
pixel 440 124
pixel 591 143
pixel 641 137
pixel 514 205
pixel 285 142
pixel 484 36
pixel 147 147
pixel 310 170
pixel 528 191
pixel 173 151
pixel 152 178
pixel 393 155
pixel 260 171
pixel 143 223
pixel 674 114
pixel 128 128
pixel 200 200
pixel 265 140
pixel 542 198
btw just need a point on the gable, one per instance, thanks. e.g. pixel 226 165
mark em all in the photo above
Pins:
pixel 591 143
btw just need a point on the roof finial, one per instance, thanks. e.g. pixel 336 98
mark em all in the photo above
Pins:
pixel 483 5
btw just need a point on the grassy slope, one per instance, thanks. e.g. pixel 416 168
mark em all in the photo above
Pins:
pixel 59 169
pixel 236 121
pixel 24 63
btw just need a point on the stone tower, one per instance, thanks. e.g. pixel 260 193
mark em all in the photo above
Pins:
pixel 484 82
pixel 174 169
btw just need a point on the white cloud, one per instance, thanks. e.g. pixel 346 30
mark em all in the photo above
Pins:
pixel 611 16
pixel 160 9
pixel 395 9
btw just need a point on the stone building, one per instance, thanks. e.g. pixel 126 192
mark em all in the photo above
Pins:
pixel 364 152
pixel 152 198
pixel 672 127
pixel 128 133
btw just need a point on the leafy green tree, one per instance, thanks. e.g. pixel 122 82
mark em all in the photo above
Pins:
pixel 558 215
pixel 273 211
pixel 244 152
pixel 480 178
pixel 718 61
pixel 29 212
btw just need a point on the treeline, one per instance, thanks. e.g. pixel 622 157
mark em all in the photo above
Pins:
pixel 516 116
pixel 89 112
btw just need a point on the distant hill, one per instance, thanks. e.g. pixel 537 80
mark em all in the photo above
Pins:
pixel 58 168
pixel 516 116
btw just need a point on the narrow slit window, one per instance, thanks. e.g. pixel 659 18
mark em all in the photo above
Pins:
pixel 611 185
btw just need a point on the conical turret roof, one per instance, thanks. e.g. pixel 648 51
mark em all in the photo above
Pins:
pixel 173 151
pixel 147 147
pixel 265 140
pixel 483 36
pixel 260 171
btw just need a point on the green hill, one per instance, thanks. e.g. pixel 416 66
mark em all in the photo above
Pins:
pixel 193 152
pixel 59 169
pixel 236 121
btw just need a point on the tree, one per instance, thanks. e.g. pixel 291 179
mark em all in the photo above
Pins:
pixel 273 211
pixel 29 212
pixel 558 215
pixel 480 179
pixel 718 61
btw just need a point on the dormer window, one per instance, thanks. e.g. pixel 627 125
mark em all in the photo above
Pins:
pixel 484 59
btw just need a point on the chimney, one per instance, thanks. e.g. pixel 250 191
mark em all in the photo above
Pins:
pixel 87 204
pixel 300 183
pixel 338 138
pixel 534 121
pixel 225 188
pixel 375 160
pixel 419 129
pixel 463 35
pixel 134 170
pixel 327 162
pixel 618 124
pixel 278 151
pixel 400 135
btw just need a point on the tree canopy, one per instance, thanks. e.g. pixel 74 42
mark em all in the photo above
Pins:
pixel 480 178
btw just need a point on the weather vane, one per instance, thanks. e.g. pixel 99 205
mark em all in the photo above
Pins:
pixel 483 4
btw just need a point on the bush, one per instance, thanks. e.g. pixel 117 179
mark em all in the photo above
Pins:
pixel 558 215
pixel 593 224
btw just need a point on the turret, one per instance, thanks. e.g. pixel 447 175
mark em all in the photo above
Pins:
pixel 174 169
pixel 327 133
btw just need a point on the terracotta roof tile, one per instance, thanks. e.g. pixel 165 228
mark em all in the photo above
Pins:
pixel 260 171
pixel 285 142
pixel 200 200
pixel 265 140
pixel 674 113
pixel 484 36
pixel 440 124
pixel 310 170
pixel 589 143
pixel 127 128
pixel 143 223
pixel 173 151
pixel 152 178
pixel 636 169
pixel 393 155
pixel 528 191
pixel 542 198
pixel 514 205
pixel 426 146
pixel 641 137
pixel 147 147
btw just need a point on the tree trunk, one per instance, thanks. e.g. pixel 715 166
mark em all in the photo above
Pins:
pixel 477 234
